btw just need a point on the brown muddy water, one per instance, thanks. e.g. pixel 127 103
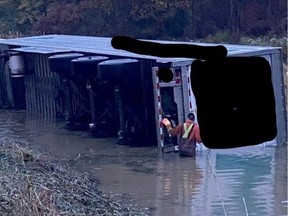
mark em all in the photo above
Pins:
pixel 244 181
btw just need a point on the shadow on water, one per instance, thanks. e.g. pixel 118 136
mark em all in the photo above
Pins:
pixel 242 181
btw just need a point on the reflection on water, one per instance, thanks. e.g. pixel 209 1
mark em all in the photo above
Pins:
pixel 244 181
pixel 247 182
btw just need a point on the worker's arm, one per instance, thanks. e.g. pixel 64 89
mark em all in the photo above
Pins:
pixel 173 131
pixel 197 134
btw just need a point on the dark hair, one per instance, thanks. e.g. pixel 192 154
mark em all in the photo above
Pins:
pixel 191 116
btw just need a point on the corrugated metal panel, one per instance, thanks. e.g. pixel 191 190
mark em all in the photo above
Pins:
pixel 102 45
pixel 274 60
pixel 98 45
pixel 279 91
pixel 6 97
pixel 40 50
pixel 2 46
pixel 41 88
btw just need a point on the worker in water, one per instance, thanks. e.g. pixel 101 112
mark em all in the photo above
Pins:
pixel 189 134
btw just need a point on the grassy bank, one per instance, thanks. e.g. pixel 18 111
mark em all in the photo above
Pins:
pixel 34 185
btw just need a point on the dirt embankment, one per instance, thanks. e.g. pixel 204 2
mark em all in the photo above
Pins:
pixel 33 185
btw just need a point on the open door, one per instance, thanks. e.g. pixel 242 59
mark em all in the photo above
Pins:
pixel 173 100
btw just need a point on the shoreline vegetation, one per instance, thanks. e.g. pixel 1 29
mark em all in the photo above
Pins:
pixel 33 185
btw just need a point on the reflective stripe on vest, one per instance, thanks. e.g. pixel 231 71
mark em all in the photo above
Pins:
pixel 186 130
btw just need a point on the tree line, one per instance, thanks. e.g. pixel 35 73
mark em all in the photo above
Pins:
pixel 150 19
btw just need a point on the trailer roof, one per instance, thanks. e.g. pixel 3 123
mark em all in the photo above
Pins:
pixel 49 44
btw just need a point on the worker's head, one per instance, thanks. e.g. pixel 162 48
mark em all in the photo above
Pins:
pixel 191 116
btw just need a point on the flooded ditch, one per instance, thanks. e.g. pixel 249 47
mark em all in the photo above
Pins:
pixel 243 181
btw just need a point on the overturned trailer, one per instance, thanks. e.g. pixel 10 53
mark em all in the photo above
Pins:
pixel 111 93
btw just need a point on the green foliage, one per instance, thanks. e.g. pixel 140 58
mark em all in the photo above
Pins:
pixel 220 37
pixel 217 21
pixel 20 15
pixel 60 18
pixel 8 11
pixel 30 10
